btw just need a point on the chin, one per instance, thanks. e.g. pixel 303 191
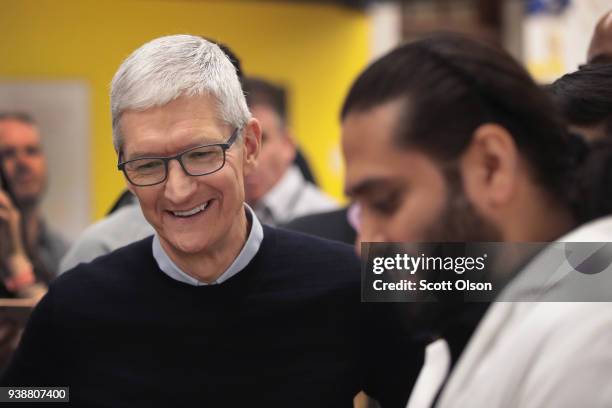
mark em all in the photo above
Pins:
pixel 188 243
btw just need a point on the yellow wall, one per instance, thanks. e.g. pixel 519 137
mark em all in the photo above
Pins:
pixel 316 50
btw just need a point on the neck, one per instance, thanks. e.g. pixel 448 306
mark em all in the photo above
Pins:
pixel 208 265
pixel 545 221
pixel 31 222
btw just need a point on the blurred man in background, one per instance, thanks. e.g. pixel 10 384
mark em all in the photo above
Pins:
pixel 445 140
pixel 38 247
pixel 29 249
pixel 585 100
pixel 277 189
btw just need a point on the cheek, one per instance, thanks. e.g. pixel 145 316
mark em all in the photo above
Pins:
pixel 408 223
pixel 9 167
pixel 147 198
pixel 42 167
pixel 230 183
pixel 416 217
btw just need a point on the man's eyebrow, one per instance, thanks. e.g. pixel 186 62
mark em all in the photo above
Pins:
pixel 367 185
pixel 144 154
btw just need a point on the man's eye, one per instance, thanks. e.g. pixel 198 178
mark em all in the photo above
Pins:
pixel 8 154
pixel 148 165
pixel 386 205
pixel 33 151
pixel 199 155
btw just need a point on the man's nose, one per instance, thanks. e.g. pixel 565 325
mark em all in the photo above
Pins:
pixel 370 231
pixel 22 162
pixel 179 185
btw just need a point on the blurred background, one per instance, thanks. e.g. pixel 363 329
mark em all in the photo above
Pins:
pixel 58 57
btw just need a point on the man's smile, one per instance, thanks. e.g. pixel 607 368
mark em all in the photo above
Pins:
pixel 190 212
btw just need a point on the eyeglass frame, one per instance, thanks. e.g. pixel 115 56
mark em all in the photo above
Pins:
pixel 178 157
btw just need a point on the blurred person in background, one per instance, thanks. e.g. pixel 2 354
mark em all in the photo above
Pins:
pixel 448 140
pixel 32 248
pixel 214 309
pixel 585 100
pixel 332 225
pixel 277 190
pixel 29 249
pixel 600 48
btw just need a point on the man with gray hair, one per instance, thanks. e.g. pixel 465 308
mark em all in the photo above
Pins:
pixel 214 309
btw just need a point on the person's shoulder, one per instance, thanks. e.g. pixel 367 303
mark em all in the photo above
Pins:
pixel 598 230
pixel 122 222
pixel 308 264
pixel 121 228
pixel 55 239
pixel 288 239
pixel 317 198
pixel 120 264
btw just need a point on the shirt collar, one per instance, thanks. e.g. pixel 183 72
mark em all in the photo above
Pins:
pixel 281 199
pixel 248 252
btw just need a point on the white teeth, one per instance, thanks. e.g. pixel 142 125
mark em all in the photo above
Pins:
pixel 192 211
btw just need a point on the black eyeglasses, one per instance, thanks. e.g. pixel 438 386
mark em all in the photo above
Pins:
pixel 197 161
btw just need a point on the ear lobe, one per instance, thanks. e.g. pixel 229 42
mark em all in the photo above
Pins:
pixel 252 145
pixel 128 185
pixel 290 146
pixel 490 167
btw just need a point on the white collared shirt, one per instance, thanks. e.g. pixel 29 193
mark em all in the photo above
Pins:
pixel 247 253
pixel 532 354
pixel 292 197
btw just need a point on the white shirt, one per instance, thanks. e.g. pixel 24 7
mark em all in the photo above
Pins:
pixel 536 354
pixel 248 252
pixel 292 197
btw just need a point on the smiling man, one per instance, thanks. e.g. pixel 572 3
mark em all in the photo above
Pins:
pixel 215 309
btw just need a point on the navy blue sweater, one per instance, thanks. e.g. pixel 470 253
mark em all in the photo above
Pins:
pixel 287 331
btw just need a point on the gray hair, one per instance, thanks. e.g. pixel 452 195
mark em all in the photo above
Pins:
pixel 169 67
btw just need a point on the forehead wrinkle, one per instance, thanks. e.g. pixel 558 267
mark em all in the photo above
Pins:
pixel 197 140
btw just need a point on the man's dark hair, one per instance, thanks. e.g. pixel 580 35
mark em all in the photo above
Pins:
pixel 584 97
pixel 22 117
pixel 258 91
pixel 595 187
pixel 451 85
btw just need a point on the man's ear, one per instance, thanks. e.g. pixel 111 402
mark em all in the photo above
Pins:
pixel 128 185
pixel 290 145
pixel 490 168
pixel 252 145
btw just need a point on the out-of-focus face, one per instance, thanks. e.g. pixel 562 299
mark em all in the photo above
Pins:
pixel 405 196
pixel 192 215
pixel 277 154
pixel 24 161
pixel 403 193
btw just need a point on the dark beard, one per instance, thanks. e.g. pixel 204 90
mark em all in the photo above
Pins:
pixel 449 314
pixel 459 220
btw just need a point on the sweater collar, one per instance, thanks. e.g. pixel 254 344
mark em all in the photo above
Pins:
pixel 248 252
